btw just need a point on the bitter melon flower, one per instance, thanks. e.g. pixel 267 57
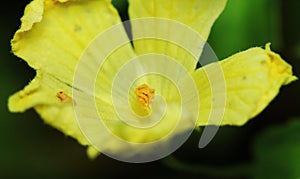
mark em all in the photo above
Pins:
pixel 126 92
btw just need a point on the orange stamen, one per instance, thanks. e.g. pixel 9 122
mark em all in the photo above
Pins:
pixel 144 94
pixel 63 97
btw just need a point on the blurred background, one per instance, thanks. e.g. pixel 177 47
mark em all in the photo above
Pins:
pixel 267 146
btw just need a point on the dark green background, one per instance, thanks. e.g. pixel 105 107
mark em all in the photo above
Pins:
pixel 31 148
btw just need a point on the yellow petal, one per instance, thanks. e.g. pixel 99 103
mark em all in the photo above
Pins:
pixel 92 152
pixel 171 32
pixel 52 37
pixel 41 94
pixel 238 88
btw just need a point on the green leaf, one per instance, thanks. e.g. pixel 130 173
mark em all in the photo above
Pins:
pixel 277 152
pixel 245 24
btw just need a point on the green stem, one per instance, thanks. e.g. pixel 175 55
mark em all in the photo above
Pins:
pixel 229 171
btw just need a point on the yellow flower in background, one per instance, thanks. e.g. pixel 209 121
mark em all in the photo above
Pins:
pixel 57 38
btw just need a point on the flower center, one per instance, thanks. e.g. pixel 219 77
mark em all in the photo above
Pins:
pixel 144 95
pixel 141 100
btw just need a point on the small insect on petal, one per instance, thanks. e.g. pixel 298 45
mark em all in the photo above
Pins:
pixel 63 97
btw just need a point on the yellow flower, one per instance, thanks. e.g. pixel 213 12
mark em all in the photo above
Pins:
pixel 86 67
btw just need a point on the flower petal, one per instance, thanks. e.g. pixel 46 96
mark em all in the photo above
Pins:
pixel 167 36
pixel 252 79
pixel 41 94
pixel 52 37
